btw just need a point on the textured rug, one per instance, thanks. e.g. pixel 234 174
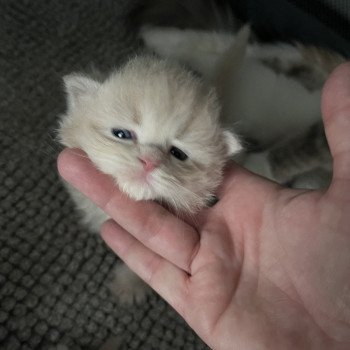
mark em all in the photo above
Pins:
pixel 53 272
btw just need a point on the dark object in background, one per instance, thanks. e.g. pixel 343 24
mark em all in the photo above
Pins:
pixel 317 22
pixel 196 14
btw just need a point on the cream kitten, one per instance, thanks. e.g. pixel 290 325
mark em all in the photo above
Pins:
pixel 154 127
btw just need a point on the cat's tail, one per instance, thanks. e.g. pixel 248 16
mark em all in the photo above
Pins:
pixel 195 14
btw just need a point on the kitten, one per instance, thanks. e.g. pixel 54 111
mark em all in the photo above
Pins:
pixel 154 127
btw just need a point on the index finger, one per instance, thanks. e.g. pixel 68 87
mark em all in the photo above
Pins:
pixel 150 223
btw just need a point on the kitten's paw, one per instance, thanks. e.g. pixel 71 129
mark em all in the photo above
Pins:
pixel 164 41
pixel 156 34
pixel 170 42
pixel 153 37
pixel 128 287
pixel 312 180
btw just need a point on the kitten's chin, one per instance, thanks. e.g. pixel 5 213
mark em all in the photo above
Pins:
pixel 176 203
pixel 142 194
pixel 138 190
pixel 148 188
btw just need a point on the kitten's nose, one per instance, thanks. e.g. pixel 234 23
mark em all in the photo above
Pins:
pixel 148 163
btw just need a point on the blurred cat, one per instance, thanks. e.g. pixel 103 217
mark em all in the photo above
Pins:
pixel 303 161
pixel 154 127
pixel 271 93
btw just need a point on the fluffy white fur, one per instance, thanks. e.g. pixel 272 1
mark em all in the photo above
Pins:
pixel 262 104
pixel 163 105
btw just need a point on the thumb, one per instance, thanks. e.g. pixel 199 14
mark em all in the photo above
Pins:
pixel 336 117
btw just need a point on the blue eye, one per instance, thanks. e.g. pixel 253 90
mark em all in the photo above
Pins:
pixel 122 134
pixel 177 153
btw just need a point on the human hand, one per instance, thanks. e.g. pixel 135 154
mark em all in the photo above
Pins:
pixel 266 268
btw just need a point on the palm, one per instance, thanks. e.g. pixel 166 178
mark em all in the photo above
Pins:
pixel 266 267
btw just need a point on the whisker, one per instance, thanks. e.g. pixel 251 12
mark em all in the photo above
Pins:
pixel 177 200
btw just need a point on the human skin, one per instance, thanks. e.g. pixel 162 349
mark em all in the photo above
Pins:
pixel 266 268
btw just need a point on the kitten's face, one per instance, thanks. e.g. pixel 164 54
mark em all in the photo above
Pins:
pixel 153 127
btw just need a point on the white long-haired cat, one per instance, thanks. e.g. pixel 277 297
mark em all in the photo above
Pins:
pixel 263 102
pixel 154 127
pixel 270 92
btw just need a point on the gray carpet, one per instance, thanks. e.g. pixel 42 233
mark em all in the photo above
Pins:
pixel 52 272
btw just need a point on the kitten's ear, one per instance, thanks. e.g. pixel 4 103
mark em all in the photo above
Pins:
pixel 78 86
pixel 232 142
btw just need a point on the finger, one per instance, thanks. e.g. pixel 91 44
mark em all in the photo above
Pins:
pixel 149 222
pixel 244 194
pixel 336 116
pixel 76 168
pixel 237 179
pixel 165 278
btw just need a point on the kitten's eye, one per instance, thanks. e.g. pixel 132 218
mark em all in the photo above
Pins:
pixel 177 153
pixel 122 134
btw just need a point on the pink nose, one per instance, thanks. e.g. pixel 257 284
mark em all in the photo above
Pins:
pixel 149 164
